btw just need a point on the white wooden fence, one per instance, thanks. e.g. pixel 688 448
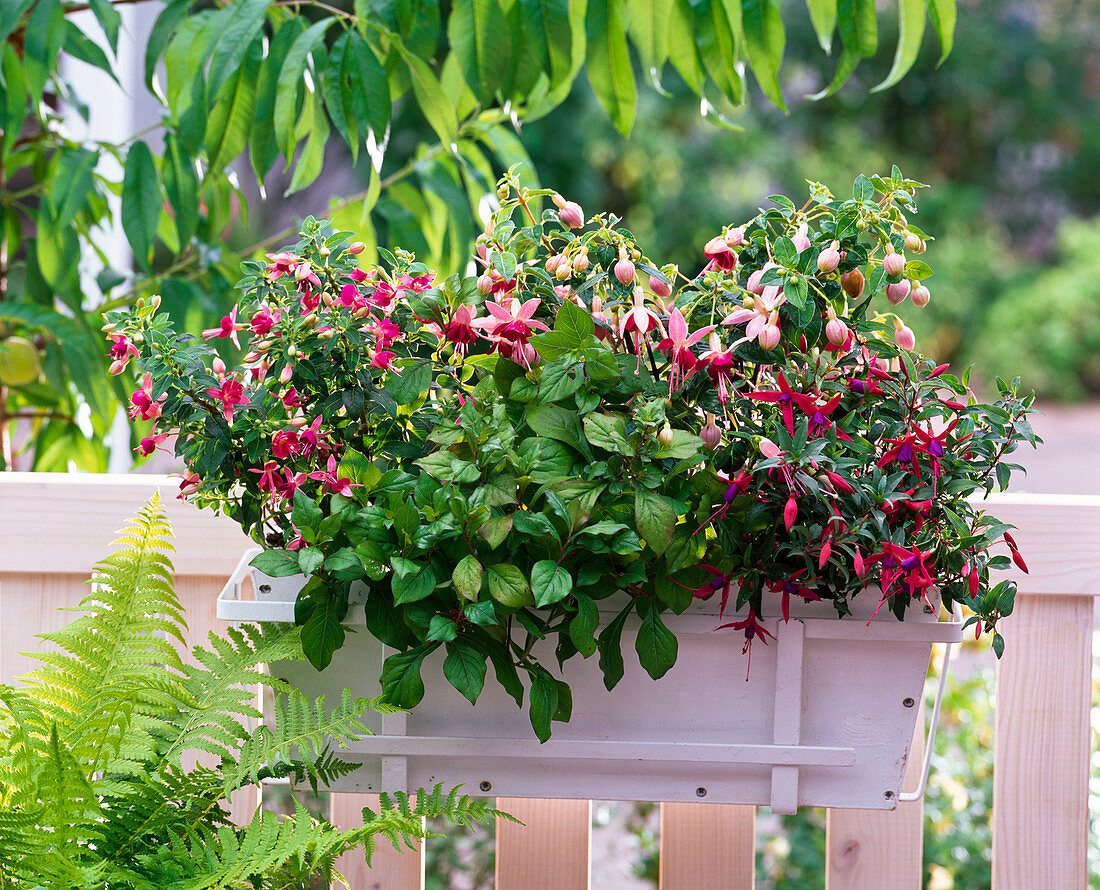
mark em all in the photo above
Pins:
pixel 54 527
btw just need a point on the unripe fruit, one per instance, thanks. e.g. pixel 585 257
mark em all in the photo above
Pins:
pixel 659 288
pixel 829 258
pixel 19 363
pixel 897 291
pixel 893 263
pixel 624 271
pixel 920 296
pixel 852 282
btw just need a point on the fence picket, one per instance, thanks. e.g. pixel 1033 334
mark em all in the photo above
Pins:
pixel 707 845
pixel 550 851
pixel 390 869
pixel 1040 783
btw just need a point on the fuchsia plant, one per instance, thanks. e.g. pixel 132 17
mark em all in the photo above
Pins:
pixel 502 456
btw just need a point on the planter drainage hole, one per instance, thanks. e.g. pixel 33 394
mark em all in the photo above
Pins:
pixel 889 795
pixel 700 792
pixel 907 702
pixel 486 785
pixel 265 588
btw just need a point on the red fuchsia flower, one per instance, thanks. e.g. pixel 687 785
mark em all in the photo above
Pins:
pixel 228 328
pixel 296 543
pixel 1016 558
pixel 382 360
pixel 305 276
pixel 678 344
pixel 461 330
pixel 280 264
pixel 416 285
pixel 308 298
pixel 292 400
pixel 122 350
pixel 720 254
pixel 143 405
pixel 285 443
pixel 265 320
pixel 509 328
pixel 151 443
pixel 269 477
pixel 787 399
pixel 737 487
pixel 188 486
pixel 385 333
pixel 350 298
pixel 639 320
pixel 230 394
pixel 903 571
pixel 718 581
pixel 719 366
pixel 332 482
pixel 311 437
pixel 753 631
pixel 789 587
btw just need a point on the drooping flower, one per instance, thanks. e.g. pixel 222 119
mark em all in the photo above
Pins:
pixel 719 365
pixel 142 403
pixel 332 481
pixel 753 631
pixel 791 586
pixel 264 320
pixel 720 254
pixel 510 327
pixel 678 344
pixel 122 350
pixel 230 394
pixel 285 443
pixel 639 321
pixel 151 443
pixel 189 484
pixel 761 320
pixel 227 328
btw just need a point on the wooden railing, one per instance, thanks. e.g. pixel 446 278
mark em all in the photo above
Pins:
pixel 54 527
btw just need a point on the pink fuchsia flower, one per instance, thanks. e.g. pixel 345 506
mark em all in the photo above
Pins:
pixel 800 239
pixel 624 269
pixel 188 486
pixel 762 319
pixel 280 264
pixel 350 298
pixel 230 394
pixel 461 330
pixel 291 399
pixel 291 484
pixel 659 287
pixel 264 320
pixel 151 443
pixel 787 399
pixel 678 344
pixel 285 443
pixel 269 477
pixel 510 327
pixel 385 332
pixel 311 437
pixel 228 328
pixel 905 571
pixel 719 366
pixel 337 484
pixel 897 291
pixel 122 350
pixel 382 360
pixel 904 337
pixel 720 254
pixel 836 331
pixel 639 320
pixel 142 404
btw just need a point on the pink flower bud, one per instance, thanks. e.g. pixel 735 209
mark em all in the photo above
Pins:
pixel 302 270
pixel 580 262
pixel 564 292
pixel 893 263
pixel 836 331
pixel 665 437
pixel 735 238
pixel 217 366
pixel 117 367
pixel 753 284
pixel 920 296
pixel 571 215
pixel 769 336
pixel 564 271
pixel 484 284
pixel 356 247
pixel 552 262
pixel 768 448
pixel 801 242
pixel 286 373
pixel 711 436
pixel 897 291
pixel 624 271
pixel 904 337
pixel 829 258
pixel 659 288
pixel 790 512
pixel 826 552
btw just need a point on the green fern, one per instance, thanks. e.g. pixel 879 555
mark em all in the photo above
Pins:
pixel 94 792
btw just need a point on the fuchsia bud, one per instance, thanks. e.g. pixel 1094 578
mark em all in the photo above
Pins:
pixel 857 563
pixel 624 269
pixel 665 437
pixel 580 262
pixel 897 291
pixel 826 552
pixel 710 434
pixel 769 334
pixel 920 296
pixel 553 262
pixel 356 247
pixel 485 284
pixel 659 287
pixel 217 366
pixel 790 512
pixel 286 373
pixel 768 448
pixel 800 240
pixel 913 242
pixel 829 258
pixel 735 238
pixel 753 285
pixel 117 367
pixel 893 262
pixel 904 337
pixel 571 215
pixel 836 331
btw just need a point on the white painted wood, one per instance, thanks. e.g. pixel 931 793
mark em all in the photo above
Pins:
pixel 787 722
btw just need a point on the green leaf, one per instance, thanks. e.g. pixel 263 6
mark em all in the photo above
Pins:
pixel 310 560
pixel 358 468
pixel 276 563
pixel 998 645
pixel 764 43
pixel 609 643
pixel 71 185
pixel 172 14
pixel 575 324
pixel 229 121
pixel 412 581
pixel 411 384
pixel 312 157
pixel 917 270
pixel 495 529
pixel 141 202
pixel 609 70
pixel 544 702
pixel 863 189
pixel 582 627
pixel 322 634
pixel 942 13
pixel 649 30
pixel 10 13
pixel 238 25
pixel 42 42
pixel 656 644
pixel 548 37
pixel 79 46
pixel 401 683
pixel 910 33
pixel 109 20
pixel 508 586
pixel 823 16
pixel 559 380
pixel 845 65
pixel 556 422
pixel 262 147
pixel 608 431
pixel 549 582
pixel 442 628
pixel 306 515
pixel 467 576
pixel 482 41
pixel 437 110
pixel 181 185
pixel 291 76
pixel 655 517
pixel 684 445
pixel 464 668
pixel 858 26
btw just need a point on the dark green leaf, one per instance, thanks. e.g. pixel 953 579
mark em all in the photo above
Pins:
pixel 508 586
pixel 609 70
pixel 656 644
pixel 322 634
pixel 401 683
pixel 481 39
pixel 549 582
pixel 141 202
pixel 655 517
pixel 764 43
pixel 610 646
pixel 544 702
pixel 276 563
pixel 464 668
pixel 412 581
pixel 238 25
pixel 467 576
pixel 582 627
pixel 109 20
pixel 290 78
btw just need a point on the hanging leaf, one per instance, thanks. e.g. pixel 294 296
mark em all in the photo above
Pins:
pixel 942 13
pixel 291 79
pixel 229 122
pixel 858 26
pixel 910 34
pixel 181 185
pixel 656 644
pixel 481 39
pixel 764 43
pixel 141 201
pixel 430 96
pixel 823 17
pixel 262 149
pixel 238 25
pixel 609 68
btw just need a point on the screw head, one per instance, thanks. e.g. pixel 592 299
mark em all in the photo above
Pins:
pixel 265 588
pixel 700 791
pixel 889 795
pixel 486 785
pixel 907 702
